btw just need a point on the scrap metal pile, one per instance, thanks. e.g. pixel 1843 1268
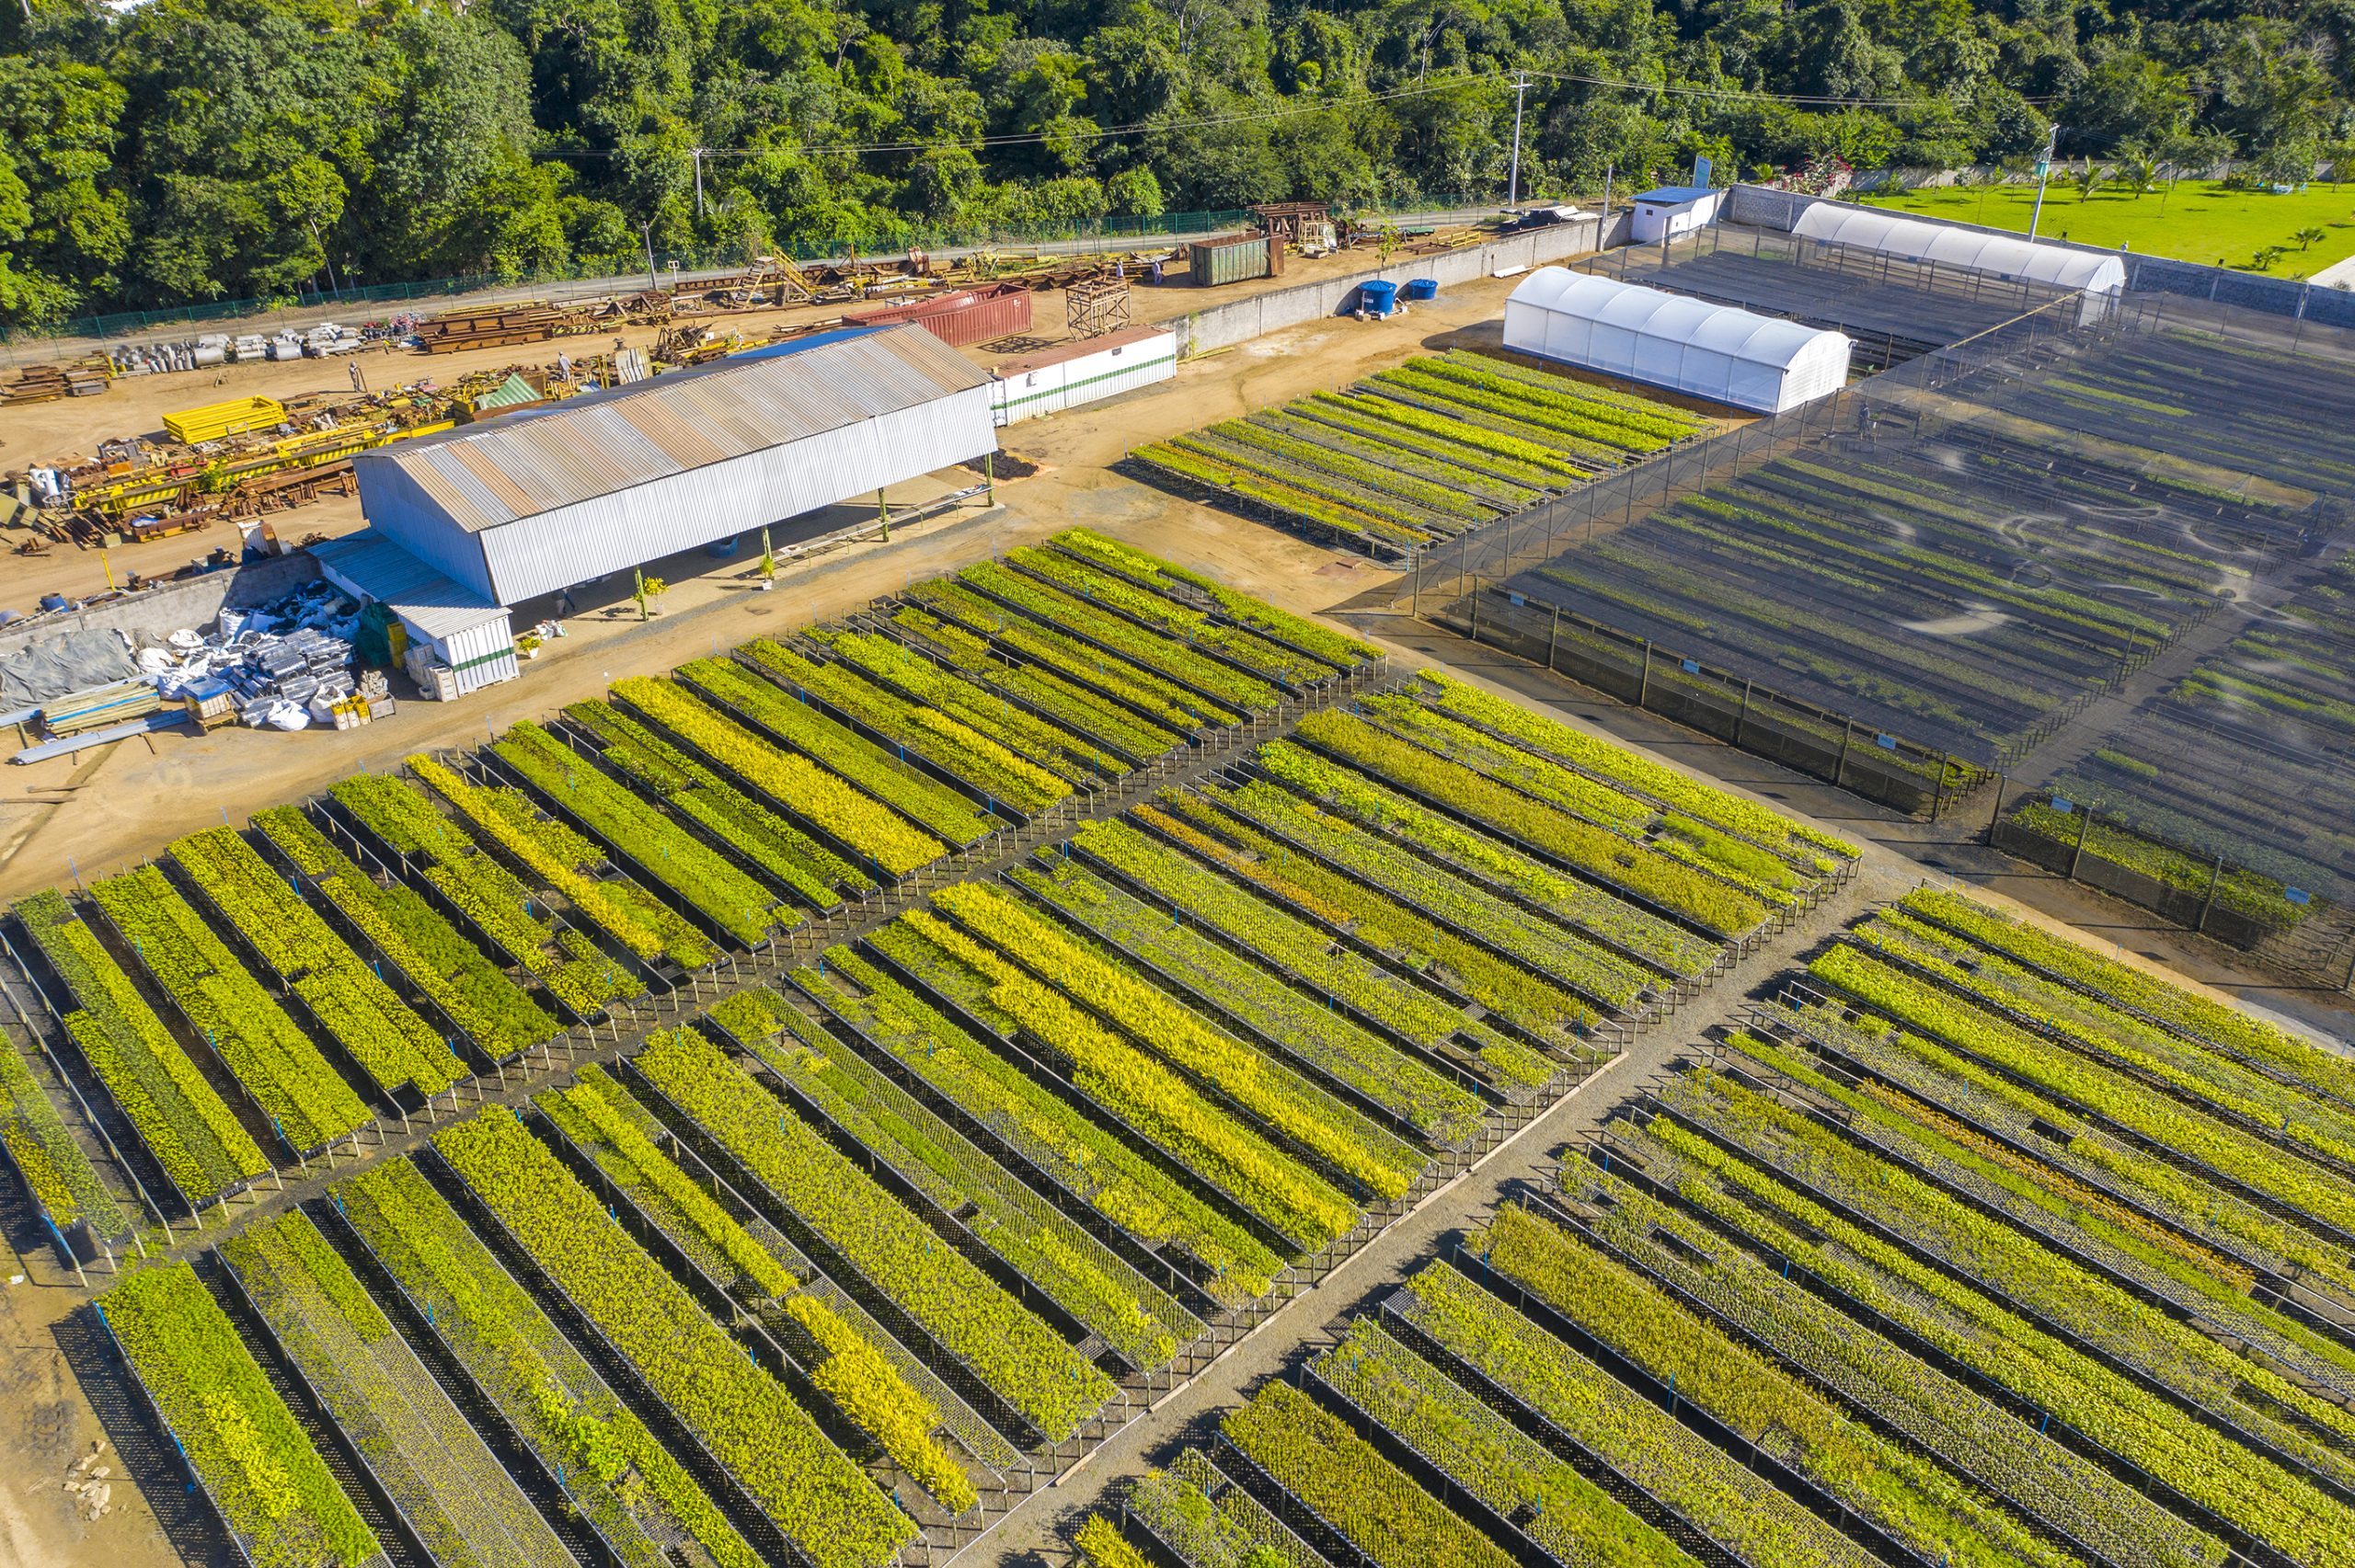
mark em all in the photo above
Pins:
pixel 287 664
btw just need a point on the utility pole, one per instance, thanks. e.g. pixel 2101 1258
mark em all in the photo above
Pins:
pixel 2043 170
pixel 698 184
pixel 1512 185
pixel 646 233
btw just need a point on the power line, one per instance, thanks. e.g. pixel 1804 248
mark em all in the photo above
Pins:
pixel 1806 100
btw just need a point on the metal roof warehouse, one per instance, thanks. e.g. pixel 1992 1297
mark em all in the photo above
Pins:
pixel 554 496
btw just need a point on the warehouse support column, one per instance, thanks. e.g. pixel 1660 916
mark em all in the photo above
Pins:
pixel 989 474
pixel 884 508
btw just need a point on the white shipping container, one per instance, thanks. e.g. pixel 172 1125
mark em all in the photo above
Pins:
pixel 1083 372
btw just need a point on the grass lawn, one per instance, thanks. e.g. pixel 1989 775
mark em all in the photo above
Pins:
pixel 2197 222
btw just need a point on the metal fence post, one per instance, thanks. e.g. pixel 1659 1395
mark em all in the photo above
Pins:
pixel 2083 828
pixel 1553 636
pixel 1742 714
pixel 2215 880
pixel 1840 768
pixel 1644 685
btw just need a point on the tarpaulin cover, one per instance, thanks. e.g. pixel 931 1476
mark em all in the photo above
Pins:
pixel 71 661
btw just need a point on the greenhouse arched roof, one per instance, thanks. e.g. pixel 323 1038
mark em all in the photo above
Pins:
pixel 1715 351
pixel 1948 245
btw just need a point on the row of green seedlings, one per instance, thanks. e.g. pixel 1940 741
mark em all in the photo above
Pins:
pixel 476 992
pixel 1423 452
pixel 2073 822
pixel 2109 1410
pixel 1505 778
pixel 81 1213
pixel 2150 1314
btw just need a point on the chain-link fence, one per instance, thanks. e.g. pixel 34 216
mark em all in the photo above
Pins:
pixel 2240 468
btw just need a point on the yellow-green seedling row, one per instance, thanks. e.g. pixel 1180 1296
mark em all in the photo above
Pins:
pixel 450 971
pixel 1066 1264
pixel 611 1468
pixel 189 1129
pixel 396 1049
pixel 742 1416
pixel 276 1494
pixel 1037 1127
pixel 507 914
pixel 1015 1354
pixel 280 1070
pixel 602 1119
pixel 559 858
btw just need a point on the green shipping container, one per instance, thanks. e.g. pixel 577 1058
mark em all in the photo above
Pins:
pixel 1228 261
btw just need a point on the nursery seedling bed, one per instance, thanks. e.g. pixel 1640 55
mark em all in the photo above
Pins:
pixel 1891 321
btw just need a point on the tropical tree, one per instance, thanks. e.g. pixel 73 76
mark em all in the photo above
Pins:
pixel 2306 237
pixel 2089 179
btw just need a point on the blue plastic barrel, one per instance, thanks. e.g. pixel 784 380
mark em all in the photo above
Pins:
pixel 1377 297
pixel 1420 288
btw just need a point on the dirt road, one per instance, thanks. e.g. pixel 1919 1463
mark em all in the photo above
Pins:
pixel 103 809
pixel 135 406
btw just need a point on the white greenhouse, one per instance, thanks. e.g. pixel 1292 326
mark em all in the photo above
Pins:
pixel 2011 257
pixel 1709 352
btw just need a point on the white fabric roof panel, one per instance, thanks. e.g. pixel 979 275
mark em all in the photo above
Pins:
pixel 1950 245
pixel 1687 345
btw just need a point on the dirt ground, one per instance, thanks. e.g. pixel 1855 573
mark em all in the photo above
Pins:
pixel 113 806
pixel 135 406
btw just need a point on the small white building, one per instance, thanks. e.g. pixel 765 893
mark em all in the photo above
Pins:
pixel 1081 372
pixel 466 632
pixel 1717 352
pixel 1673 209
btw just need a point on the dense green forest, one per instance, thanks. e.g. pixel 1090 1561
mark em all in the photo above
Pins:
pixel 187 150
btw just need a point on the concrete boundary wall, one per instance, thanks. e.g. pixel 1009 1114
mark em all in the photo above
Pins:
pixel 153 613
pixel 1222 326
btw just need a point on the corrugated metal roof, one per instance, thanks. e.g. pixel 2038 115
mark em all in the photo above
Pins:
pixel 802 345
pixel 541 459
pixel 419 595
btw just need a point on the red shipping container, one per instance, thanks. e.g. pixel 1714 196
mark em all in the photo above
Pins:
pixel 959 319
